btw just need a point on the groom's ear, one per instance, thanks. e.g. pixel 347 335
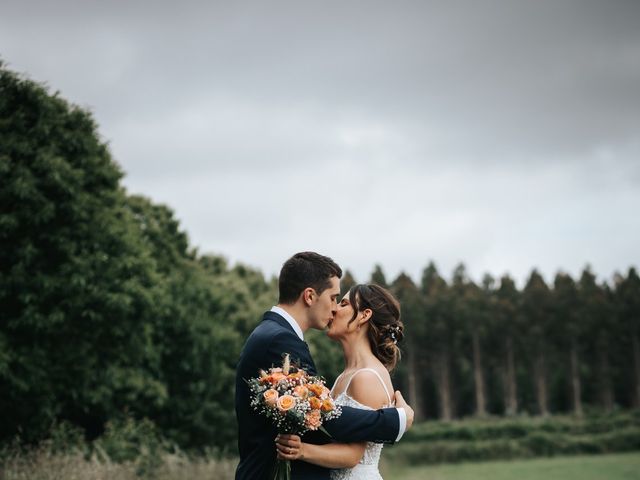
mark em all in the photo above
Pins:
pixel 308 296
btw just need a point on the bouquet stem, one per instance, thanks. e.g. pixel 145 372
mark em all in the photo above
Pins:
pixel 282 470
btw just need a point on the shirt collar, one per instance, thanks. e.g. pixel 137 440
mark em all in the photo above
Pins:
pixel 284 314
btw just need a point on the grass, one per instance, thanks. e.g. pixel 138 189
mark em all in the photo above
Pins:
pixel 44 465
pixel 623 466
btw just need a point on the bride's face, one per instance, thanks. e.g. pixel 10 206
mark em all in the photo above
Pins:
pixel 340 325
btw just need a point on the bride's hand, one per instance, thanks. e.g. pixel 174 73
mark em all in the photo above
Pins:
pixel 290 447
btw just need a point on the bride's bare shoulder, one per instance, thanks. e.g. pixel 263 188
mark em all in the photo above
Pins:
pixel 367 388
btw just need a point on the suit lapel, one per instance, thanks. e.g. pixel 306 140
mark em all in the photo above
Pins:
pixel 273 316
pixel 307 362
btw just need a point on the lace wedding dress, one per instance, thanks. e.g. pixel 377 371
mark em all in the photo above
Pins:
pixel 367 469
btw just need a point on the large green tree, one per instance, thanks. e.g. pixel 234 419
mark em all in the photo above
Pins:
pixel 106 311
pixel 77 286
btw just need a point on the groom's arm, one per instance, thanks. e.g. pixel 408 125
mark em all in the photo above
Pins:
pixel 357 425
pixel 381 426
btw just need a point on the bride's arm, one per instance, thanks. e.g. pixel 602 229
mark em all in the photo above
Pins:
pixel 331 455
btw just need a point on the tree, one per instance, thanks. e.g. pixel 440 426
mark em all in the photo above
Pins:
pixel 347 282
pixel 508 324
pixel 73 268
pixel 597 324
pixel 378 277
pixel 105 310
pixel 439 337
pixel 536 311
pixel 628 300
pixel 413 319
pixel 482 329
pixel 567 322
pixel 470 313
pixel 204 306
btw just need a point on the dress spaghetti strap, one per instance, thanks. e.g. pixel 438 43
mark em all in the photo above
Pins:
pixel 336 382
pixel 386 390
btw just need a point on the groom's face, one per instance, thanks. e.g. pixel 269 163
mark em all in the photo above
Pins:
pixel 325 306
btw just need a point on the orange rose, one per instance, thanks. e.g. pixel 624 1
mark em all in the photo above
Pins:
pixel 276 377
pixel 301 391
pixel 296 376
pixel 325 393
pixel 327 405
pixel 313 420
pixel 286 402
pixel 315 402
pixel 316 388
pixel 270 397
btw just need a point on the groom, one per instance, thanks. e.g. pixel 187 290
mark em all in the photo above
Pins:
pixel 309 286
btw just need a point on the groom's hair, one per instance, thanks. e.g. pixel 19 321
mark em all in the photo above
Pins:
pixel 303 270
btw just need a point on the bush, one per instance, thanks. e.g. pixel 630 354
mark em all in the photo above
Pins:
pixel 128 440
pixel 494 428
pixel 473 440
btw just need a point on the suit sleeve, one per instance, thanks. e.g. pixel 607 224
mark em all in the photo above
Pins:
pixel 357 425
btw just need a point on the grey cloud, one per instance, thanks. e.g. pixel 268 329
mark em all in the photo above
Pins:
pixel 470 127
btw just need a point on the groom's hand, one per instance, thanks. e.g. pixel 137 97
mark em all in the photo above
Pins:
pixel 402 403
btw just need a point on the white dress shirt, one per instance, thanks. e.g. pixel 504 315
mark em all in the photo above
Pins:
pixel 284 314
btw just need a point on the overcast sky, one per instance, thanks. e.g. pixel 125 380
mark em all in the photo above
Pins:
pixel 505 135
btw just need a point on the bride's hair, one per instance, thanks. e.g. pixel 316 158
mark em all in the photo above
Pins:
pixel 385 327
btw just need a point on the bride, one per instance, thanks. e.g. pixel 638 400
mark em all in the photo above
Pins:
pixel 367 324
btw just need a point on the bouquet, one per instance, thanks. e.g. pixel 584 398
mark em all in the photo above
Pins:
pixel 294 401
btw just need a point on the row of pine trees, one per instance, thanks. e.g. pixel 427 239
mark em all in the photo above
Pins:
pixel 491 348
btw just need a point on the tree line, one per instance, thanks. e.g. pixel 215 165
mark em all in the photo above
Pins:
pixel 107 312
pixel 491 348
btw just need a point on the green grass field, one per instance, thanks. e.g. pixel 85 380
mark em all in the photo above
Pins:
pixel 625 466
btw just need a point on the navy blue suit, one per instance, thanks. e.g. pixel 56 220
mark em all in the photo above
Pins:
pixel 256 436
